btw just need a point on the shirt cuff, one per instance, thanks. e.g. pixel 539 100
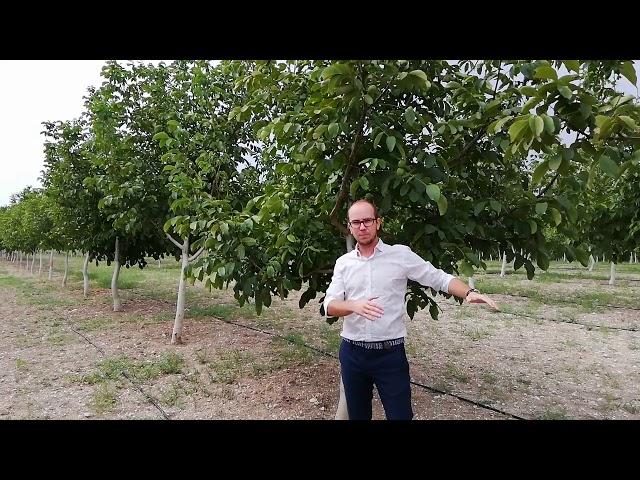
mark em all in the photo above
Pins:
pixel 447 282
pixel 326 302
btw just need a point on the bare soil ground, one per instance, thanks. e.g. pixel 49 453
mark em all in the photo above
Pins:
pixel 550 364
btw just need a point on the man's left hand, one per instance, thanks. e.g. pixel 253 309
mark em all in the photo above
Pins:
pixel 475 297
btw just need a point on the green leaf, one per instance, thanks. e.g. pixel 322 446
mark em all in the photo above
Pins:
pixel 377 140
pixel 410 116
pixel 224 228
pixel 442 204
pixel 610 167
pixel 528 91
pixel 582 256
pixel 533 226
pixel 240 251
pixel 545 71
pixel 629 72
pixel 530 104
pixel 420 74
pixel 541 207
pixel 536 124
pixel 554 162
pixel 515 130
pixel 291 238
pixel 572 65
pixel 248 241
pixel 530 269
pixel 333 129
pixel 542 260
pixel 368 99
pixel 466 268
pixel 478 207
pixel 496 205
pixel 539 172
pixel 270 271
pixel 549 126
pixel 630 122
pixel 391 142
pixel 160 136
pixel 433 191
pixel 221 271
pixel 497 126
pixel 565 92
pixel 555 214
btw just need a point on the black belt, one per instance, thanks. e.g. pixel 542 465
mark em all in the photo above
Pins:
pixel 382 345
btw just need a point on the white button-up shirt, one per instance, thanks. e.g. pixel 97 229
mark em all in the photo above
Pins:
pixel 384 275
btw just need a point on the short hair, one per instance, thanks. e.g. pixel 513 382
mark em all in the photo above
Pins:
pixel 364 200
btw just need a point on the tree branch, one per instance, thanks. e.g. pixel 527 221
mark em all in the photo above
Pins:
pixel 196 255
pixel 173 241
pixel 544 190
pixel 344 186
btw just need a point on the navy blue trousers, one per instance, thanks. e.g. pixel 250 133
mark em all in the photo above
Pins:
pixel 387 369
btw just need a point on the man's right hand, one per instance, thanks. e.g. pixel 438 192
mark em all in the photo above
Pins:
pixel 367 308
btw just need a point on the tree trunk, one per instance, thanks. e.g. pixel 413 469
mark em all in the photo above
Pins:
pixel 85 275
pixel 33 260
pixel 159 263
pixel 176 335
pixel 117 303
pixel 341 412
pixel 612 279
pixel 504 264
pixel 472 282
pixel 66 269
pixel 592 263
pixel 631 257
pixel 40 268
pixel 51 264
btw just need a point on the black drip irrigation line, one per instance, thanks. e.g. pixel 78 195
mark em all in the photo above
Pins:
pixel 621 307
pixel 426 387
pixel 586 325
pixel 124 374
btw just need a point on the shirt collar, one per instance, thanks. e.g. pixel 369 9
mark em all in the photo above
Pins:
pixel 379 247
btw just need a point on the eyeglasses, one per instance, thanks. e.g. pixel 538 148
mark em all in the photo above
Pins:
pixel 367 222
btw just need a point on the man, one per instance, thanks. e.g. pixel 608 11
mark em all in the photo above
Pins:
pixel 368 289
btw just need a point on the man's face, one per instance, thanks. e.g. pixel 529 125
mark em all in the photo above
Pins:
pixel 362 213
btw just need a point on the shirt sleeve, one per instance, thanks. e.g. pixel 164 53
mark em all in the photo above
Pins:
pixel 336 290
pixel 425 273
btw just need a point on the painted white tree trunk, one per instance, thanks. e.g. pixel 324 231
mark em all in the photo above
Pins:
pixel 564 257
pixel 40 268
pixel 592 263
pixel 472 282
pixel 50 264
pixel 504 264
pixel 631 257
pixel 612 279
pixel 66 269
pixel 117 303
pixel 176 335
pixel 341 412
pixel 33 260
pixel 85 275
pixel 159 263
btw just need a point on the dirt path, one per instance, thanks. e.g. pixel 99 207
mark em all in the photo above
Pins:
pixel 534 368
